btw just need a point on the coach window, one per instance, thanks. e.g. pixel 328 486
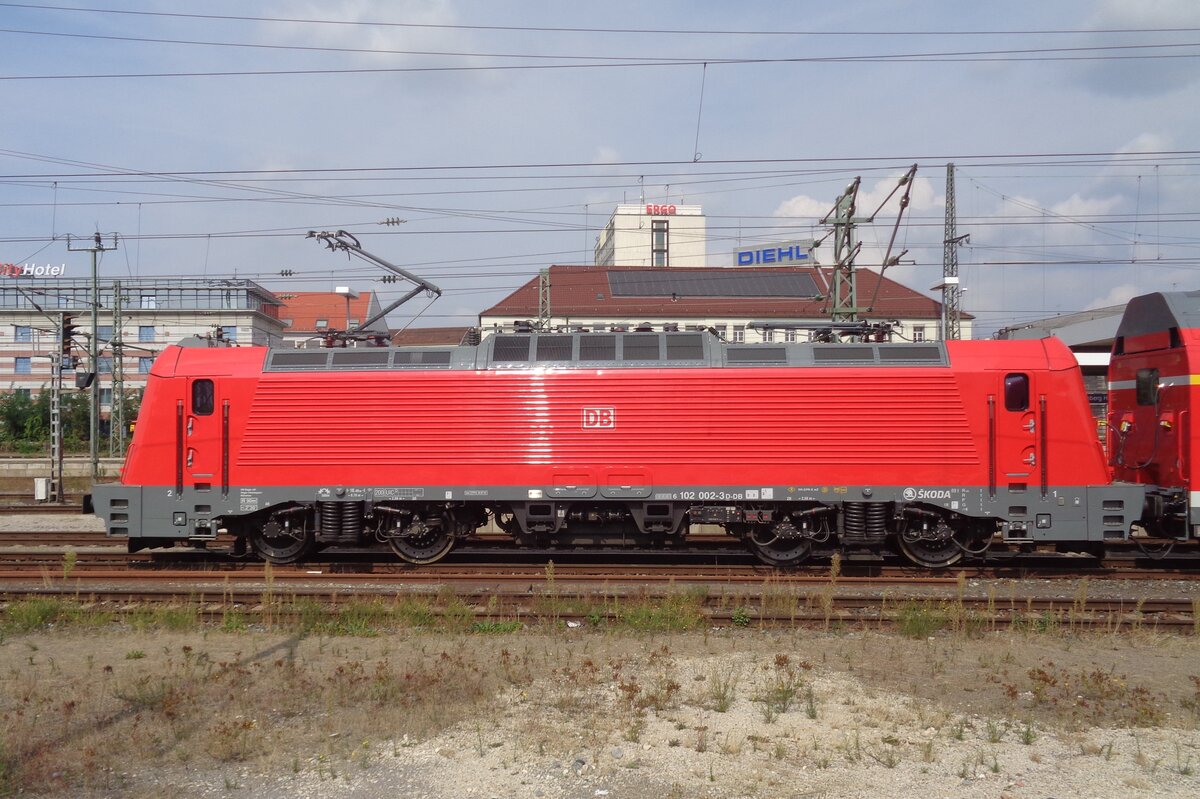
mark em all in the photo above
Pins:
pixel 202 397
pixel 1016 392
pixel 1147 386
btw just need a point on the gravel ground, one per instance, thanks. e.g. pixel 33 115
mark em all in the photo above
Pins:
pixel 874 716
pixel 864 742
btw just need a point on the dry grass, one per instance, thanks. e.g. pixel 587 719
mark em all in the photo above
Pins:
pixel 86 700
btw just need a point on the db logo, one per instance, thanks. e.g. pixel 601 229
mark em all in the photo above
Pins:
pixel 599 418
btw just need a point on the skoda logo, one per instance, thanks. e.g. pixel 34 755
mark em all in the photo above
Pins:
pixel 910 494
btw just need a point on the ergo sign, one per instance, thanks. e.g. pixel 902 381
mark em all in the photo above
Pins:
pixel 660 210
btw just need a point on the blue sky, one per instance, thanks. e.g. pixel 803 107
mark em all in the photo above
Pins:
pixel 504 133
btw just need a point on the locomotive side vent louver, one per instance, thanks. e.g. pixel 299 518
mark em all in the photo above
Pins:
pixel 685 347
pixel 598 348
pixel 511 348
pixel 301 359
pixel 361 359
pixel 843 353
pixel 911 352
pixel 405 358
pixel 640 347
pixel 756 355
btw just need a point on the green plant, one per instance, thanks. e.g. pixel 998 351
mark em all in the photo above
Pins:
pixel 27 615
pixel 919 620
pixel 496 627
pixel 721 687
pixel 810 702
pixel 778 690
pixel 740 617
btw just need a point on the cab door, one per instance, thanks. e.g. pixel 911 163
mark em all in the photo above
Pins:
pixel 1019 459
pixel 203 448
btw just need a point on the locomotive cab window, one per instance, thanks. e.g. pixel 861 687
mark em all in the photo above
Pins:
pixel 1016 392
pixel 203 398
pixel 1147 386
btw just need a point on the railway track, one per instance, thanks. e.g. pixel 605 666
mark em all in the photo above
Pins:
pixel 281 603
pixel 33 551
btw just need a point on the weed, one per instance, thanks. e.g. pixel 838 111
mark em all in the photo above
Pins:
pixel 810 702
pixel 360 618
pixel 496 627
pixel 779 688
pixel 721 687
pixel 888 758
pixel 1028 735
pixel 28 615
pixel 1093 697
pixel 672 613
pixel 1183 767
pixel 233 621
pixel 740 617
pixel 69 559
pixel 135 654
pixel 919 620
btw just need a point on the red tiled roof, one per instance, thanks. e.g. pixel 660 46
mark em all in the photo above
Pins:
pixel 584 291
pixel 304 308
pixel 429 335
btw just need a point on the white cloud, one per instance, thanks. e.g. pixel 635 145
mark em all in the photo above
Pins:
pixel 371 37
pixel 922 197
pixel 1150 77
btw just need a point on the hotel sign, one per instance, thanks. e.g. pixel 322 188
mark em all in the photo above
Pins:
pixel 32 270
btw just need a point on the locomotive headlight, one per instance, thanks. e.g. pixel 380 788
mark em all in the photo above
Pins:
pixel 179 518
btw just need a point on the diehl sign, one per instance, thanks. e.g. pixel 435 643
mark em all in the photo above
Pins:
pixel 32 270
pixel 789 252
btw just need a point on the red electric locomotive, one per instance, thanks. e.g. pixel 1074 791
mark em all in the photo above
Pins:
pixel 932 449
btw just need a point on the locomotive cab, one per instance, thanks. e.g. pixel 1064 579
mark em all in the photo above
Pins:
pixel 1154 386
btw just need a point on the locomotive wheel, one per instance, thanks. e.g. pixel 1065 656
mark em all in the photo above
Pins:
pixel 274 545
pixel 428 547
pixel 781 553
pixel 931 554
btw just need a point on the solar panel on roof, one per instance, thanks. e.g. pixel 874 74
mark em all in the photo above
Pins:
pixel 715 283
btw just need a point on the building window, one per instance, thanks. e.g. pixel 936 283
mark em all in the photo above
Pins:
pixel 229 332
pixel 104 365
pixel 149 302
pixel 789 336
pixel 739 334
pixel 144 365
pixel 658 242
pixel 145 332
pixel 106 396
pixel 26 393
pixel 22 333
pixel 322 323
pixel 918 332
pixel 722 330
pixel 23 366
pixel 104 332
pixel 768 335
